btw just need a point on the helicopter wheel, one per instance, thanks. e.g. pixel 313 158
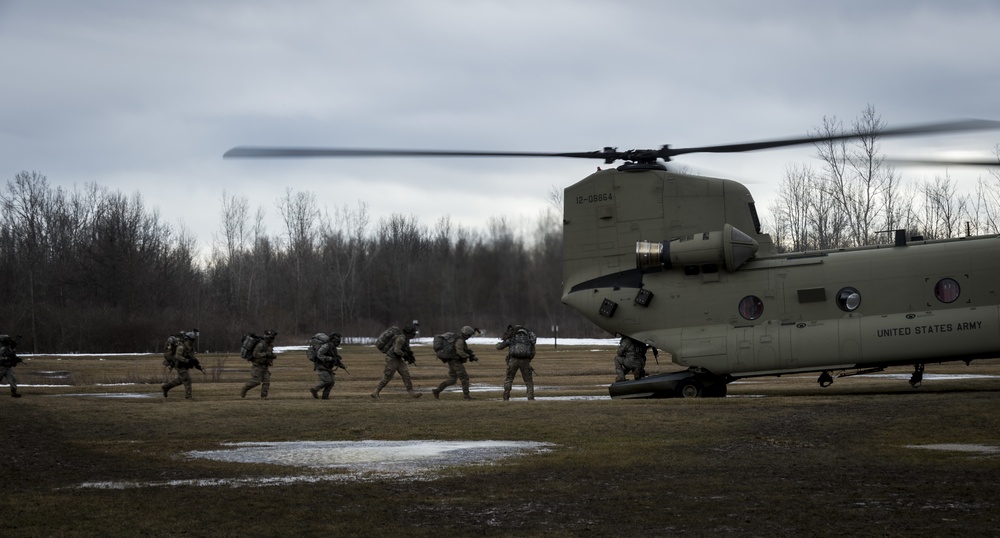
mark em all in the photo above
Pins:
pixel 689 389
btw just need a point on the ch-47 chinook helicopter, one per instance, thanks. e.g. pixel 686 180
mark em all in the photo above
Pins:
pixel 679 262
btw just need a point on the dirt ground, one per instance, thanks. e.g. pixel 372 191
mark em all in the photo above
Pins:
pixel 868 456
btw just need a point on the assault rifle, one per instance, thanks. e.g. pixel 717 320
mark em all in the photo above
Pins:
pixel 409 358
pixel 340 364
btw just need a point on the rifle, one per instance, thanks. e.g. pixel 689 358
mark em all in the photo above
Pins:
pixel 409 358
pixel 196 364
pixel 340 364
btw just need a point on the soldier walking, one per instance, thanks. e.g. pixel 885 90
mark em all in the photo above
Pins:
pixel 263 358
pixel 521 349
pixel 455 351
pixel 326 362
pixel 178 354
pixel 8 360
pixel 397 356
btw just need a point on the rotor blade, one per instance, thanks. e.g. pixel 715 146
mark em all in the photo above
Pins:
pixel 941 162
pixel 913 130
pixel 268 152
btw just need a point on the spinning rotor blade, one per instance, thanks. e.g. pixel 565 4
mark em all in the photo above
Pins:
pixel 610 155
pixel 254 151
pixel 941 162
pixel 913 130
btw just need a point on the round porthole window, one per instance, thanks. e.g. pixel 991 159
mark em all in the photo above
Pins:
pixel 947 290
pixel 848 299
pixel 751 307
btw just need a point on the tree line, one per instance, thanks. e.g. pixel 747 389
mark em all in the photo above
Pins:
pixel 856 197
pixel 93 270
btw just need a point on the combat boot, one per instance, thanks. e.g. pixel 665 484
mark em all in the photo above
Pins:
pixel 315 393
pixel 243 392
pixel 414 394
pixel 166 389
pixel 506 395
pixel 15 394
pixel 436 393
pixel 375 394
pixel 468 397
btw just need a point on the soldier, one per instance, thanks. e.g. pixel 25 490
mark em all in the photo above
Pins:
pixel 263 358
pixel 521 344
pixel 8 360
pixel 179 355
pixel 456 356
pixel 327 360
pixel 397 357
pixel 631 357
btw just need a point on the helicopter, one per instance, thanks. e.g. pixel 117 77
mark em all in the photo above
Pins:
pixel 680 262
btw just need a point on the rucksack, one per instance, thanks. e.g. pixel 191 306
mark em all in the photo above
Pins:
pixel 247 344
pixel 385 340
pixel 444 346
pixel 169 349
pixel 523 345
pixel 315 343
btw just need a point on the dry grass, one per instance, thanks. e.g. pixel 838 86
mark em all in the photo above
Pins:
pixel 781 456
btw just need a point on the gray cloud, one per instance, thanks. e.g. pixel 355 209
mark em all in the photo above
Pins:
pixel 148 95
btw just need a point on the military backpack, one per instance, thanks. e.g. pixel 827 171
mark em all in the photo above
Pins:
pixel 247 345
pixel 316 342
pixel 444 346
pixel 522 345
pixel 385 340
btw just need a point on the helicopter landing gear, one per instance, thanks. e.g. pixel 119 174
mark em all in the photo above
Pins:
pixel 690 388
pixel 825 380
pixel 918 375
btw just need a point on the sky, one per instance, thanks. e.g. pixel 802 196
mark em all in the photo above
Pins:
pixel 147 96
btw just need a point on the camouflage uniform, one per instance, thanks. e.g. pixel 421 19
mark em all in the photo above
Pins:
pixel 8 360
pixel 515 364
pixel 182 360
pixel 456 366
pixel 327 360
pixel 631 357
pixel 395 361
pixel 263 358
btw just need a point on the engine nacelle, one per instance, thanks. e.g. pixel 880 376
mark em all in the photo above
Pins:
pixel 729 246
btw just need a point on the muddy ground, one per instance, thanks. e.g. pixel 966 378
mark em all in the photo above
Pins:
pixel 867 456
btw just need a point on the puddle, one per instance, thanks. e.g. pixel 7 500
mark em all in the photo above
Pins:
pixel 959 447
pixel 357 460
pixel 112 394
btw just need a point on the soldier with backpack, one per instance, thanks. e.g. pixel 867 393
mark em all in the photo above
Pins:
pixel 452 349
pixel 395 343
pixel 322 351
pixel 178 354
pixel 521 349
pixel 262 358
pixel 8 360
pixel 631 358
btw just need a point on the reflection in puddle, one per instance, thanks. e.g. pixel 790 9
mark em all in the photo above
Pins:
pixel 112 394
pixel 379 456
pixel 960 447
pixel 357 460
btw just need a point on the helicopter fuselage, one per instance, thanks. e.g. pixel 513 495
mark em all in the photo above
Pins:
pixel 679 262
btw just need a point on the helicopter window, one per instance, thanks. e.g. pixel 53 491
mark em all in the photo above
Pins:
pixel 751 307
pixel 947 290
pixel 848 299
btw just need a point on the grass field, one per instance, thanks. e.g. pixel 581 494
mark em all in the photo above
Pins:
pixel 778 457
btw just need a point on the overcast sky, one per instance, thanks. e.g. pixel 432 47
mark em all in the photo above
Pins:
pixel 147 96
